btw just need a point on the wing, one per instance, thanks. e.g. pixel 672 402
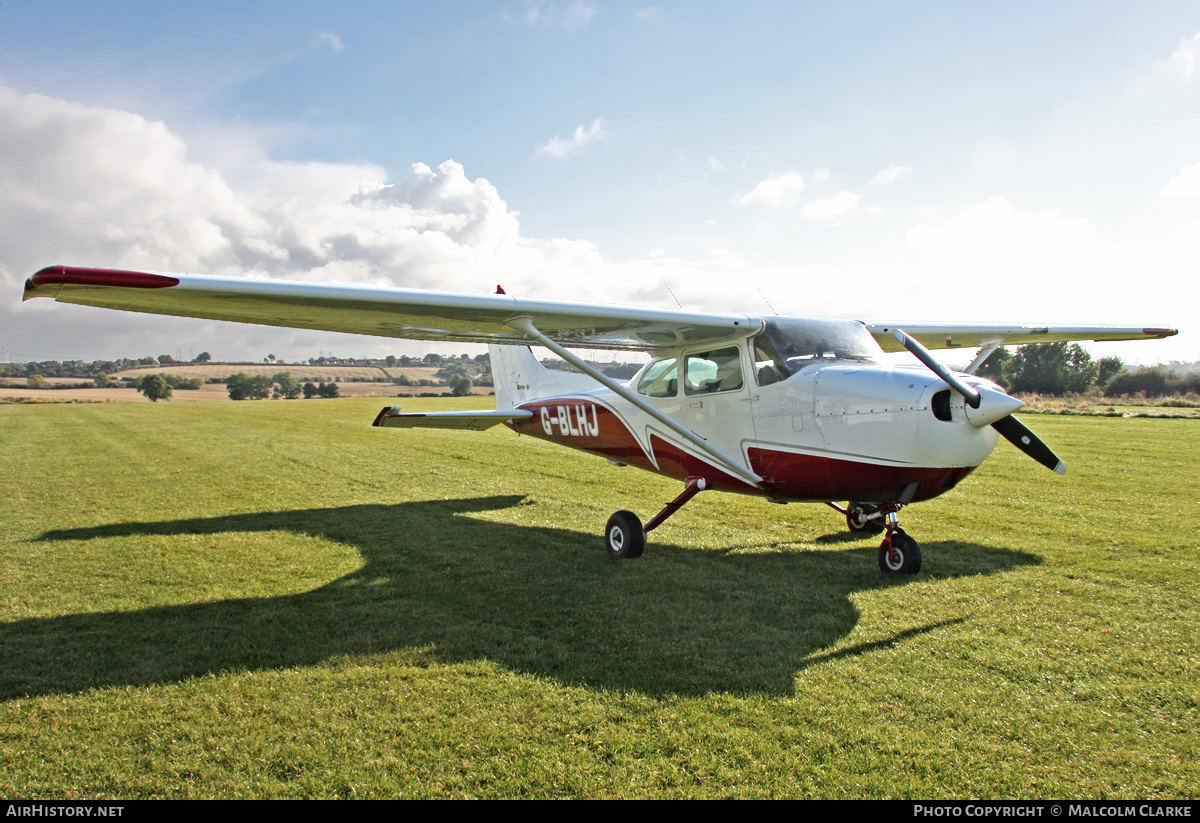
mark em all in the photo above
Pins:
pixel 384 312
pixel 968 335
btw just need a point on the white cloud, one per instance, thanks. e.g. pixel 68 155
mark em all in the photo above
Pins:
pixel 890 175
pixel 572 16
pixel 567 146
pixel 1183 60
pixel 98 187
pixel 1184 184
pixel 992 262
pixel 330 39
pixel 1031 266
pixel 830 208
pixel 715 164
pixel 779 191
pixel 822 175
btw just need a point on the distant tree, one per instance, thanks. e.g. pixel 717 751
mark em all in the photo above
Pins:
pixel 242 386
pixel 35 381
pixel 270 358
pixel 1152 382
pixel 328 390
pixel 310 390
pixel 164 359
pixel 1051 368
pixel 102 380
pixel 178 381
pixel 1081 371
pixel 286 386
pixel 460 385
pixel 155 387
pixel 402 380
pixel 202 357
pixel 146 361
pixel 390 361
pixel 993 367
pixel 1110 367
pixel 432 359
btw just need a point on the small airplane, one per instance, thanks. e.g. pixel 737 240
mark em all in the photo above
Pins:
pixel 791 409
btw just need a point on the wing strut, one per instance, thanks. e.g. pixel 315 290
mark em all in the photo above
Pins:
pixel 525 326
pixel 988 349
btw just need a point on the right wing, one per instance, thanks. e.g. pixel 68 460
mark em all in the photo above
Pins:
pixel 385 312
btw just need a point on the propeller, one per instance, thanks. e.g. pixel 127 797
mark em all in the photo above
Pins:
pixel 1019 435
pixel 987 406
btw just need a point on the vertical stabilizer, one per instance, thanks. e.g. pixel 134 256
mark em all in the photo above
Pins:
pixel 519 377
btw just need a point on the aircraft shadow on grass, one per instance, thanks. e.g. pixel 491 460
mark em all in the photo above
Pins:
pixel 446 588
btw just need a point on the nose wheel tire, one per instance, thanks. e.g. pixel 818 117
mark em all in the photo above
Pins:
pixel 904 556
pixel 857 522
pixel 624 537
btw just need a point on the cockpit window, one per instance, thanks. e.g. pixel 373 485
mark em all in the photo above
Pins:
pixel 660 379
pixel 714 371
pixel 787 345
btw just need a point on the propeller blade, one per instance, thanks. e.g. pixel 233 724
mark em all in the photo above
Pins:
pixel 1019 435
pixel 969 393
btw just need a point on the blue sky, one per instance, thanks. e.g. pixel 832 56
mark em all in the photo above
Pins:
pixel 1024 162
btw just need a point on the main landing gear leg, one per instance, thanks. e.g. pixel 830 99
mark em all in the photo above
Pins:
pixel 624 535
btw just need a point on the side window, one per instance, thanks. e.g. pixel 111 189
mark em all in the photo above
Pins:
pixel 660 380
pixel 765 370
pixel 714 371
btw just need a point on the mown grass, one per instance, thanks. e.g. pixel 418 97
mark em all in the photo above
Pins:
pixel 274 599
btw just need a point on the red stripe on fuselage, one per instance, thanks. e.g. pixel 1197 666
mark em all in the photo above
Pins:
pixel 590 427
pixel 811 477
pixel 73 276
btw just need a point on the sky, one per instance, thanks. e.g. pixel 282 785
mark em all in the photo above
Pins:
pixel 1004 162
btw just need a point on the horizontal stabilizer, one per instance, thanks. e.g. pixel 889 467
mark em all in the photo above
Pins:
pixel 392 417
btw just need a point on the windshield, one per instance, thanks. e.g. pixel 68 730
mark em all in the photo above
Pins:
pixel 788 344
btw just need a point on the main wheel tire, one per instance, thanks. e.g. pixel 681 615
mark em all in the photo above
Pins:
pixel 624 536
pixel 908 555
pixel 856 514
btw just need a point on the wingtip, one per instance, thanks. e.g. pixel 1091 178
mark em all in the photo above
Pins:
pixel 1061 468
pixel 44 277
pixel 42 283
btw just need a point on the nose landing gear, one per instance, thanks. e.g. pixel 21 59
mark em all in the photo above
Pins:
pixel 898 553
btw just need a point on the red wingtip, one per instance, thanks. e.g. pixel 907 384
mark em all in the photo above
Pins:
pixel 500 290
pixel 74 276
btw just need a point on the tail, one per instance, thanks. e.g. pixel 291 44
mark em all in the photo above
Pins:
pixel 520 378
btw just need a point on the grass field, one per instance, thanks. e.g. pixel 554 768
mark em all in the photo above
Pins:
pixel 276 600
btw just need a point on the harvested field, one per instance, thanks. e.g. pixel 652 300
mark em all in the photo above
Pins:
pixel 300 372
pixel 207 392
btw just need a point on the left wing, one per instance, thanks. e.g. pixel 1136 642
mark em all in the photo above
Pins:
pixel 385 312
pixel 972 335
